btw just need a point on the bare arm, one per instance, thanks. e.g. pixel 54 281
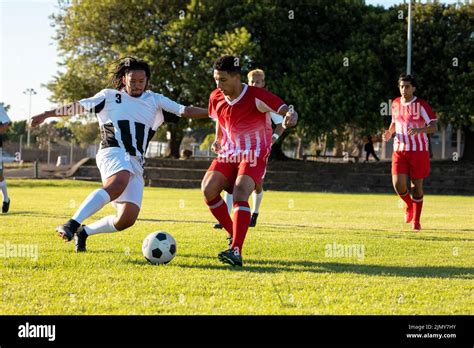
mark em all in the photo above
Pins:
pixel 429 129
pixel 279 129
pixel 67 110
pixel 195 112
pixel 387 135
pixel 216 145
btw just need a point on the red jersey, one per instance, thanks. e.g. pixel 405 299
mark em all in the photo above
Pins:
pixel 415 114
pixel 244 122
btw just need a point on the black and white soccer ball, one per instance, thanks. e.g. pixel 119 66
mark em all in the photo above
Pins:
pixel 159 247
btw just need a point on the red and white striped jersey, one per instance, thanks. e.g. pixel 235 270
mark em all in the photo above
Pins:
pixel 244 122
pixel 415 114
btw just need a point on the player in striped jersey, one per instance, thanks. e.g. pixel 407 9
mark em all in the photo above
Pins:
pixel 4 124
pixel 255 78
pixel 241 112
pixel 412 120
pixel 129 116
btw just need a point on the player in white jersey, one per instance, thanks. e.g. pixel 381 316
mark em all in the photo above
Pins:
pixel 129 116
pixel 4 124
pixel 255 78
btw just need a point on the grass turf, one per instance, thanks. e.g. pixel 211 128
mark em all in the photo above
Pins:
pixel 295 260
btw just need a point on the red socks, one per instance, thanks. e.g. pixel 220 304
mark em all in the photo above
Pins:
pixel 219 209
pixel 406 198
pixel 417 206
pixel 241 224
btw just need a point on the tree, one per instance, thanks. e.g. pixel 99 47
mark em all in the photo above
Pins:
pixel 85 133
pixel 170 35
pixel 442 60
pixel 335 61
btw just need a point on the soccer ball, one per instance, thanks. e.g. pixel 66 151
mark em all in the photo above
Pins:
pixel 159 247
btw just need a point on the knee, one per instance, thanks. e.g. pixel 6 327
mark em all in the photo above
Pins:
pixel 208 190
pixel 418 191
pixel 240 194
pixel 400 187
pixel 124 223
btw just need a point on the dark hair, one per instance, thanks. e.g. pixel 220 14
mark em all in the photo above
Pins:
pixel 407 78
pixel 230 64
pixel 124 66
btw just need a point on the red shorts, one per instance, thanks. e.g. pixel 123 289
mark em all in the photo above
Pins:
pixel 415 164
pixel 232 167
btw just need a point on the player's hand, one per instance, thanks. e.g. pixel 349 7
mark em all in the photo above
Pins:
pixel 387 135
pixel 38 119
pixel 290 119
pixel 216 147
pixel 413 131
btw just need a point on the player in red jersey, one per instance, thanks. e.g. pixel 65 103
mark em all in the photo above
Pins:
pixel 244 149
pixel 412 120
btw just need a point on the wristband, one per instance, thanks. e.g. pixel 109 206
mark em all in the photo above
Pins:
pixel 275 136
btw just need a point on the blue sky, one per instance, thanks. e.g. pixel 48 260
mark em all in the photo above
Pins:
pixel 29 54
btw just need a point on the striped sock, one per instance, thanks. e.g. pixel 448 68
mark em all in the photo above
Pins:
pixel 219 209
pixel 241 224
pixel 417 206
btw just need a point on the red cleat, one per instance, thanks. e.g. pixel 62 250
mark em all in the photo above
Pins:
pixel 408 214
pixel 416 226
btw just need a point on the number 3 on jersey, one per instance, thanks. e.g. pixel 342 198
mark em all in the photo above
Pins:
pixel 119 98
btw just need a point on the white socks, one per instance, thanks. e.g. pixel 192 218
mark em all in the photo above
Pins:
pixel 229 200
pixel 91 205
pixel 3 186
pixel 104 225
pixel 256 201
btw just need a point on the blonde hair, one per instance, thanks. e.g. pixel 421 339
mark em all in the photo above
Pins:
pixel 256 72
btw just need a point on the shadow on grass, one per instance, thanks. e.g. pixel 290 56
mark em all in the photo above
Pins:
pixel 275 266
pixel 38 214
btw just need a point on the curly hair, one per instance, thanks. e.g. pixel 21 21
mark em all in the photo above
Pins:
pixel 124 66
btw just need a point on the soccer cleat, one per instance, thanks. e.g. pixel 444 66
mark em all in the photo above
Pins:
pixel 230 256
pixel 416 226
pixel 6 206
pixel 408 214
pixel 218 226
pixel 80 240
pixel 68 230
pixel 253 220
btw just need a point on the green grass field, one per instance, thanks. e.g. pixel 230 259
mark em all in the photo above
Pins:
pixel 287 267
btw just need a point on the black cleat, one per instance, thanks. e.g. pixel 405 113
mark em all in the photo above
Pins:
pixel 80 240
pixel 232 257
pixel 253 220
pixel 218 226
pixel 68 230
pixel 6 206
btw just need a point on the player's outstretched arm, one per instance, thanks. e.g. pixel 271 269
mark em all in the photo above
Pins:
pixel 67 110
pixel 195 112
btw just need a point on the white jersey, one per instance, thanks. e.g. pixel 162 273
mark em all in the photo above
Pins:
pixel 3 116
pixel 127 122
pixel 3 119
